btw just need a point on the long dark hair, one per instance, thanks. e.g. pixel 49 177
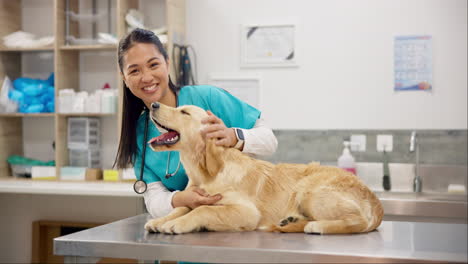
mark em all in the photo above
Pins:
pixel 132 105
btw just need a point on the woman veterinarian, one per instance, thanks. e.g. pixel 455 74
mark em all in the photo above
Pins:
pixel 144 66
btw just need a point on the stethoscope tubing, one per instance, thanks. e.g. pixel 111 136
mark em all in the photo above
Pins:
pixel 140 185
pixel 141 182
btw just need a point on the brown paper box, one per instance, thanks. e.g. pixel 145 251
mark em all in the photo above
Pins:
pixel 93 174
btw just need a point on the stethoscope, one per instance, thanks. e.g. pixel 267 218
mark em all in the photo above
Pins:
pixel 140 185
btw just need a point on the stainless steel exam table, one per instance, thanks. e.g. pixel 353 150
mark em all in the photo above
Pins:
pixel 393 242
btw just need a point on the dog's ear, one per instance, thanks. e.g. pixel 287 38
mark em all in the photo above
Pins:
pixel 208 157
pixel 211 160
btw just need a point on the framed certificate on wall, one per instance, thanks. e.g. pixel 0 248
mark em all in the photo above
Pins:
pixel 268 46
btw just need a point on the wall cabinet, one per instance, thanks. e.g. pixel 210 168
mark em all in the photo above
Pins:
pixel 81 67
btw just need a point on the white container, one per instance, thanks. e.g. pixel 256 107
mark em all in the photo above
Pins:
pixel 79 102
pixel 83 133
pixel 93 103
pixel 21 171
pixel 108 101
pixel 128 174
pixel 66 100
pixel 73 173
pixel 346 160
pixel 88 158
pixel 43 172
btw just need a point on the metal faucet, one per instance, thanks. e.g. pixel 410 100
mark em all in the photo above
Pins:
pixel 414 146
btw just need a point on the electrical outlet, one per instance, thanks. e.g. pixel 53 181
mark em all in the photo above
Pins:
pixel 358 142
pixel 384 142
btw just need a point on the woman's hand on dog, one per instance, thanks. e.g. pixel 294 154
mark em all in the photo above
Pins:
pixel 217 129
pixel 193 197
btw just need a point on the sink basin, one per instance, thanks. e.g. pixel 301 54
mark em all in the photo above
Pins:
pixel 443 197
pixel 424 206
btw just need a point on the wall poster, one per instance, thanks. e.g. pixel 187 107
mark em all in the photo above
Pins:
pixel 413 63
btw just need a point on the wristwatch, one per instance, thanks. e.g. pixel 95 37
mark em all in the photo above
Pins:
pixel 240 138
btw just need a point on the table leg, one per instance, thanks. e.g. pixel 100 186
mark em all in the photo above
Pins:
pixel 78 259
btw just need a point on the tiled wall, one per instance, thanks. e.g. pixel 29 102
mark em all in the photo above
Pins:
pixel 443 155
pixel 447 147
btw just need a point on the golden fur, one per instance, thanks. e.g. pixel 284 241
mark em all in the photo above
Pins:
pixel 258 194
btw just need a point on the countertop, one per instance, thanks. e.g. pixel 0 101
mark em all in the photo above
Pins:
pixel 94 188
pixel 392 242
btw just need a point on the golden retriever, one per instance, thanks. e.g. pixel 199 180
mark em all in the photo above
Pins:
pixel 258 195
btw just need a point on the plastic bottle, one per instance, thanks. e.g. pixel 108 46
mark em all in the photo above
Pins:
pixel 346 160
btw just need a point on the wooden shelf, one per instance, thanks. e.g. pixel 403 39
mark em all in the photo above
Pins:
pixel 37 49
pixel 27 115
pixel 53 114
pixel 89 47
pixel 86 114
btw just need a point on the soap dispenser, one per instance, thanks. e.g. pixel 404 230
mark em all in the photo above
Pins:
pixel 346 160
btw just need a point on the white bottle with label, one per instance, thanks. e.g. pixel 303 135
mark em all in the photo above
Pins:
pixel 346 160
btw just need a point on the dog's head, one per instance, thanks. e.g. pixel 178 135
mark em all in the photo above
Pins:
pixel 180 126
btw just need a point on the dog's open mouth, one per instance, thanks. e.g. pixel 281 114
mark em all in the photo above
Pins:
pixel 169 138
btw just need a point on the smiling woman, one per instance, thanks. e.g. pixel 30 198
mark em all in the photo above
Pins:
pixel 144 67
pixel 146 74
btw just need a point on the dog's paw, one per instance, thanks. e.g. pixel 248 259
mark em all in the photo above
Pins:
pixel 290 219
pixel 313 228
pixel 177 226
pixel 154 225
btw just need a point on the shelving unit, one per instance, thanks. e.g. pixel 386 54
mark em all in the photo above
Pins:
pixel 83 114
pixel 5 49
pixel 89 47
pixel 67 63
pixel 27 115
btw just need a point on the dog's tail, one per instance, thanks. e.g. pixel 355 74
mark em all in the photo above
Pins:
pixel 291 227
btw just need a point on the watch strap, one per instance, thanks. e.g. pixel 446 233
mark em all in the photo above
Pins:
pixel 240 141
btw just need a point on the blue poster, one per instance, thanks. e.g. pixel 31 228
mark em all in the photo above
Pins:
pixel 413 63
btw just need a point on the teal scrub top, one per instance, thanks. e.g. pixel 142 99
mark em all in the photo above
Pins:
pixel 233 112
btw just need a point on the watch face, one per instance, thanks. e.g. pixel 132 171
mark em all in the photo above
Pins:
pixel 240 134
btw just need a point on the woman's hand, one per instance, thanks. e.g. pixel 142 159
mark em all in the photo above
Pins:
pixel 193 197
pixel 217 129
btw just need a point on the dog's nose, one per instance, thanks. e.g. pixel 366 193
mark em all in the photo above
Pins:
pixel 155 105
